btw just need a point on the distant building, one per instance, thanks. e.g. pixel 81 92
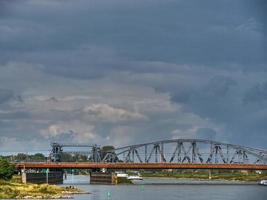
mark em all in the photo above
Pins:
pixel 244 172
pixel 258 171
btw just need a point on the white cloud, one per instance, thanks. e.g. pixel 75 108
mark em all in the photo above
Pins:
pixel 108 113
pixel 251 26
pixel 74 131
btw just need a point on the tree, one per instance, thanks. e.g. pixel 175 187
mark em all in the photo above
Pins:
pixel 6 169
pixel 110 150
pixel 38 157
pixel 21 157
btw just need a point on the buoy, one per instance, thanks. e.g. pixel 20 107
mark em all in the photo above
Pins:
pixel 142 187
pixel 109 194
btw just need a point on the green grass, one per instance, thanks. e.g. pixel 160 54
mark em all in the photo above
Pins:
pixel 15 190
pixel 123 180
pixel 231 176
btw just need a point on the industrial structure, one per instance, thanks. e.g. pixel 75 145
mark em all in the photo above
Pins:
pixel 165 154
pixel 192 151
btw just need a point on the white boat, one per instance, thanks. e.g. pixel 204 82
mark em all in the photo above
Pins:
pixel 137 177
pixel 263 182
pixel 122 175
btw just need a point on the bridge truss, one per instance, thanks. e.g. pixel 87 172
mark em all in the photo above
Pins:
pixel 91 151
pixel 192 151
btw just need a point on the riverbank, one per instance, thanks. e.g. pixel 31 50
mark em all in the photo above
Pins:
pixel 124 181
pixel 16 190
pixel 227 176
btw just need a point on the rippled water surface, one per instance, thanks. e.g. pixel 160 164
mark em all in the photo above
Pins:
pixel 169 189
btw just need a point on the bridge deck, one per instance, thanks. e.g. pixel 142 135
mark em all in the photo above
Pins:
pixel 92 165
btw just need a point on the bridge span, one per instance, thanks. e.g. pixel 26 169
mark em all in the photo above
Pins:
pixel 177 151
pixel 94 165
pixel 165 154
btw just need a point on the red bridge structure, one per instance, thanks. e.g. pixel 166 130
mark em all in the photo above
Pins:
pixel 136 166
pixel 165 154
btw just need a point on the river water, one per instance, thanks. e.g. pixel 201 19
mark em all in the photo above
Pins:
pixel 169 189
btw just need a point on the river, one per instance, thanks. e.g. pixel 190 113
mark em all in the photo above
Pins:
pixel 169 189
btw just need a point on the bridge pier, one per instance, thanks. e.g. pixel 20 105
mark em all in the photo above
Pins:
pixel 54 177
pixel 210 174
pixel 100 178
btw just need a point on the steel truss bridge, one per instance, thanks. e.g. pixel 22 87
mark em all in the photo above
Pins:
pixel 165 154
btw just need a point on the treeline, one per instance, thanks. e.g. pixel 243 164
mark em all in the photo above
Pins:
pixel 38 157
pixel 25 157
pixel 68 157
pixel 63 157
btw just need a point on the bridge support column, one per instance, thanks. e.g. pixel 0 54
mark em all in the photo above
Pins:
pixel 54 177
pixel 103 178
pixel 210 176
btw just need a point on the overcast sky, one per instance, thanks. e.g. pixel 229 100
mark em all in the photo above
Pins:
pixel 128 71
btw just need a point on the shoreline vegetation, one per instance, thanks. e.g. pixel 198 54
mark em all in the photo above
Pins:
pixel 14 189
pixel 124 181
pixel 201 175
pixel 11 186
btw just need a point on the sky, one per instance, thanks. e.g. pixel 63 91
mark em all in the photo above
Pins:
pixel 118 72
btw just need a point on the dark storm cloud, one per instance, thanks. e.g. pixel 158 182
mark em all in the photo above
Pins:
pixel 4 6
pixel 257 94
pixel 15 115
pixel 224 101
pixel 210 100
pixel 5 95
pixel 183 32
pixel 259 6
pixel 189 68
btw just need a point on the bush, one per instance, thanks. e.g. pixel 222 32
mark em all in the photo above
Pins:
pixel 6 169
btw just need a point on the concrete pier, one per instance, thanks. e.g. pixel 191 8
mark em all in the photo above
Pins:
pixel 41 178
pixel 103 178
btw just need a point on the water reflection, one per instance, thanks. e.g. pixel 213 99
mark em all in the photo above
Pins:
pixel 168 189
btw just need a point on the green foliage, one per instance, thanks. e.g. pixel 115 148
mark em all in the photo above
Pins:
pixel 45 189
pixel 16 179
pixel 123 180
pixel 38 157
pixel 6 169
pixel 24 157
pixel 7 192
pixel 11 190
pixel 203 174
pixel 67 157
pixel 108 149
pixel 21 157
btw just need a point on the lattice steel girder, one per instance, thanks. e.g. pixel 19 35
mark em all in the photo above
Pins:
pixel 219 152
pixel 57 150
pixel 185 151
